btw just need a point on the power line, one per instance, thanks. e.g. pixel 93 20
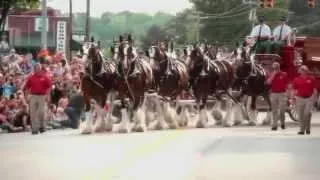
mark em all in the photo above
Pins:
pixel 224 17
pixel 308 25
pixel 226 12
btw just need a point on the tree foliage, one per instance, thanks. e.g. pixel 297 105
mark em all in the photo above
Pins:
pixel 228 26
pixel 183 27
pixel 273 15
pixel 228 21
pixel 306 19
pixel 110 25
pixel 154 33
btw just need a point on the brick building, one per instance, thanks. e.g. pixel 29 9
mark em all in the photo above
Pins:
pixel 24 29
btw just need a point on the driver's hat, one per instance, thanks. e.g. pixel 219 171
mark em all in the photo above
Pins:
pixel 261 18
pixel 284 19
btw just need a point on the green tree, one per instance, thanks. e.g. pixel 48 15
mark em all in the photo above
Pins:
pixel 110 25
pixel 227 21
pixel 273 15
pixel 306 19
pixel 155 33
pixel 222 20
pixel 183 27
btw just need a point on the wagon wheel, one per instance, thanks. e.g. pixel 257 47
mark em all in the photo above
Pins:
pixel 292 111
pixel 318 103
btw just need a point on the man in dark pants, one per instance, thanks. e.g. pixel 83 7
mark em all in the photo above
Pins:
pixel 73 110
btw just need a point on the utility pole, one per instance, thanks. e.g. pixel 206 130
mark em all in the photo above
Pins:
pixel 70 31
pixel 88 21
pixel 44 24
pixel 198 27
pixel 253 10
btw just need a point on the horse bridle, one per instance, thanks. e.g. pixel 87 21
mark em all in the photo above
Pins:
pixel 91 68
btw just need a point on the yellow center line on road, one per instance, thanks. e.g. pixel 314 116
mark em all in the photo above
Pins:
pixel 111 171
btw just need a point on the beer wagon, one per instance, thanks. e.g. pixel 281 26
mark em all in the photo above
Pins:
pixel 303 51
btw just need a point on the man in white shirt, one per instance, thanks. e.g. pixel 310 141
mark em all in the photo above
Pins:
pixel 262 34
pixel 4 46
pixel 280 34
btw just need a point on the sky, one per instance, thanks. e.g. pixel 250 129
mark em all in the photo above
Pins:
pixel 99 6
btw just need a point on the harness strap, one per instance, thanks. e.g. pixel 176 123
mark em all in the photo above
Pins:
pixel 95 82
pixel 280 37
pixel 259 36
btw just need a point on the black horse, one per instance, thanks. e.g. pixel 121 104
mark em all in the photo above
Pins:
pixel 98 80
pixel 250 80
pixel 209 76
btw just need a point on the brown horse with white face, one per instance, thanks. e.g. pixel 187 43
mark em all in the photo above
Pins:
pixel 171 79
pixel 251 79
pixel 171 75
pixel 97 82
pixel 209 76
pixel 134 78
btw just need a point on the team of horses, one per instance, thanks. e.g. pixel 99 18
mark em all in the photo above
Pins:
pixel 148 87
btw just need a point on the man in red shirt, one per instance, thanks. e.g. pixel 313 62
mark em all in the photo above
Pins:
pixel 306 94
pixel 278 82
pixel 38 85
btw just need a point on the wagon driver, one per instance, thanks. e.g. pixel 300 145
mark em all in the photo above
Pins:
pixel 280 35
pixel 262 34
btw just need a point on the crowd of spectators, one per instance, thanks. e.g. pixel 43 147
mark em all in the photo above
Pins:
pixel 15 69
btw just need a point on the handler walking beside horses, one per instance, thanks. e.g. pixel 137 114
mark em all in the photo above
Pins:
pixel 38 85
pixel 306 95
pixel 279 83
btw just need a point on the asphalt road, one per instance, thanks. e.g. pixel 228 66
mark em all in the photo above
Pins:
pixel 198 154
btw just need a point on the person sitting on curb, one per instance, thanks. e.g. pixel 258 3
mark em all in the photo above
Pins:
pixel 74 110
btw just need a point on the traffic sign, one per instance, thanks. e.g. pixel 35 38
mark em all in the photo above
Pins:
pixel 39 23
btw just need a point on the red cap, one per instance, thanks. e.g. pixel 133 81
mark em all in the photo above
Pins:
pixel 43 53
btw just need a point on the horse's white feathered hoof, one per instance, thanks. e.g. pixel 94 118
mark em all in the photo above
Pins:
pixel 218 123
pixel 267 119
pixel 123 131
pixel 108 127
pixel 138 128
pixel 266 122
pixel 252 123
pixel 98 129
pixel 237 123
pixel 160 123
pixel 86 131
pixel 184 118
pixel 173 125
pixel 161 126
pixel 149 117
pixel 217 115
pixel 227 125
pixel 158 126
pixel 183 124
pixel 201 124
